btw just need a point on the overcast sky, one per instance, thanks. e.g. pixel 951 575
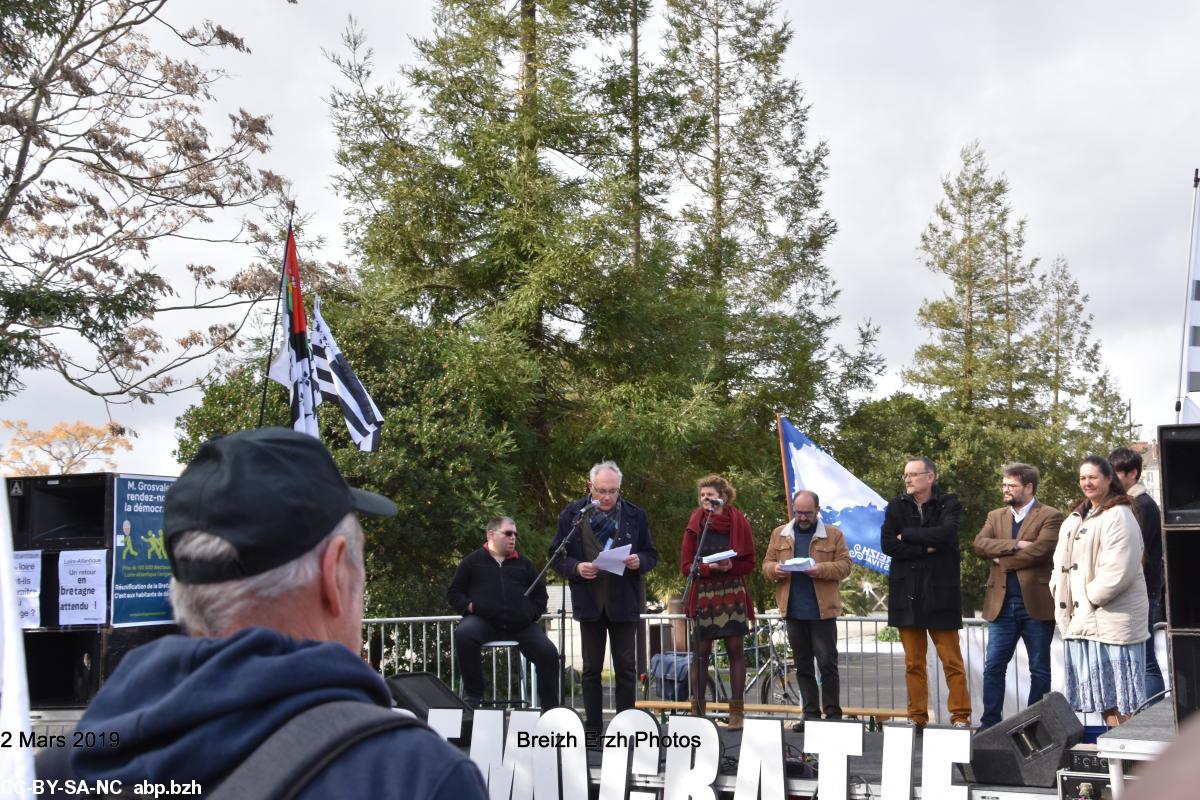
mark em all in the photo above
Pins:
pixel 1088 107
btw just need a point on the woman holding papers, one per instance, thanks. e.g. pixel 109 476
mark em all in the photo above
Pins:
pixel 718 602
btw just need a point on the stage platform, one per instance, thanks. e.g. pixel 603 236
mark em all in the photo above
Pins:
pixel 1142 738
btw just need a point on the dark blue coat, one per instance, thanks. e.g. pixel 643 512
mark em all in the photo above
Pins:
pixel 924 588
pixel 625 592
pixel 192 709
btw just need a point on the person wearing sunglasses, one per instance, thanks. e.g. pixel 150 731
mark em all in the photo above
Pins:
pixel 488 589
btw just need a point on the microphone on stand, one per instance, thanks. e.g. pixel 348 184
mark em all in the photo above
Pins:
pixel 587 508
pixel 715 502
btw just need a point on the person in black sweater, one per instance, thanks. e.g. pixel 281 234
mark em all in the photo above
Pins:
pixel 1127 468
pixel 488 589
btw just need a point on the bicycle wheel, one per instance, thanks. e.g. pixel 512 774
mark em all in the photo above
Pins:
pixel 779 689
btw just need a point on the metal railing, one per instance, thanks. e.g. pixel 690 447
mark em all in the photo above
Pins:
pixel 871 670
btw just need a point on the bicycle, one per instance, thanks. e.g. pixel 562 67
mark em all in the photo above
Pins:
pixel 773 680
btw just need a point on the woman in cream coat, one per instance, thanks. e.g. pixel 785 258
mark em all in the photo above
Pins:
pixel 1100 597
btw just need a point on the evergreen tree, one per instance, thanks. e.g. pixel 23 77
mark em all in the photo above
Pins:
pixel 753 230
pixel 962 243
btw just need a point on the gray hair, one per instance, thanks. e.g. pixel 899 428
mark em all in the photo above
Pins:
pixel 494 523
pixel 210 609
pixel 603 465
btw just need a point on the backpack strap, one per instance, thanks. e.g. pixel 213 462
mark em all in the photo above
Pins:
pixel 283 764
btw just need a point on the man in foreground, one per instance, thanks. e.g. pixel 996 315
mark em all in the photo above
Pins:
pixel 267 577
pixel 488 589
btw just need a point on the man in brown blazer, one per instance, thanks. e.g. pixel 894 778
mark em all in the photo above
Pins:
pixel 1019 539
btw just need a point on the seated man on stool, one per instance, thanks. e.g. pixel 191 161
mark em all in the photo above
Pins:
pixel 488 589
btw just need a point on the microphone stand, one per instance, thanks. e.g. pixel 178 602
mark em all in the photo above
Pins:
pixel 562 547
pixel 694 628
pixel 562 607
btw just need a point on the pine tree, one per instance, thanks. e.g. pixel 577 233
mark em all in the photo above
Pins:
pixel 963 243
pixel 752 226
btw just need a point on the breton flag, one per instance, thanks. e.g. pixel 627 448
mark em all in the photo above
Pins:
pixel 292 366
pixel 16 762
pixel 846 502
pixel 337 383
pixel 1188 408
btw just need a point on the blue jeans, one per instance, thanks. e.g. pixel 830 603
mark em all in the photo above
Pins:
pixel 1014 623
pixel 1154 677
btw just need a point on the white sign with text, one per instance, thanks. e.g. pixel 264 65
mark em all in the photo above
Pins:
pixel 543 757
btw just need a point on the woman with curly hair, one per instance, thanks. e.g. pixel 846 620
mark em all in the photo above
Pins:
pixel 719 603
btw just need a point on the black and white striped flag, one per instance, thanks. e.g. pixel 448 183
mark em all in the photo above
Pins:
pixel 336 382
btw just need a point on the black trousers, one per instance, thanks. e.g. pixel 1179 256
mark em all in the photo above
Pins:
pixel 531 640
pixel 623 638
pixel 816 639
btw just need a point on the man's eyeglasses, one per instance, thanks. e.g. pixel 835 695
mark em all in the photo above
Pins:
pixel 1014 487
pixel 805 513
pixel 908 475
pixel 506 533
pixel 606 492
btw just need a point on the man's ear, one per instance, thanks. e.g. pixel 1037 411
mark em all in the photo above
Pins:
pixel 335 576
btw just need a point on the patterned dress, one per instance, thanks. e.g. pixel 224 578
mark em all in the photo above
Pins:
pixel 722 604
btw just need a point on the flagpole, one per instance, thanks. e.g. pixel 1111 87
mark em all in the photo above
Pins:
pixel 787 487
pixel 1187 299
pixel 262 405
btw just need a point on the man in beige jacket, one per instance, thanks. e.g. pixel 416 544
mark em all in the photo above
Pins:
pixel 1019 538
pixel 810 601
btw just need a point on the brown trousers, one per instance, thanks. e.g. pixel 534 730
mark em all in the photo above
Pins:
pixel 946 643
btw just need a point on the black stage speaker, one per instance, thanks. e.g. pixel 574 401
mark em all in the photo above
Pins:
pixel 420 691
pixel 1185 673
pixel 1027 749
pixel 1179 454
pixel 61 512
pixel 66 668
pixel 1180 457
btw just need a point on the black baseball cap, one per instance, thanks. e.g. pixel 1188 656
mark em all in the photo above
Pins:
pixel 272 493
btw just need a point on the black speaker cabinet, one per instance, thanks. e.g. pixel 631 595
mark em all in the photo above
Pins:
pixel 66 668
pixel 1029 748
pixel 1185 673
pixel 61 512
pixel 1181 549
pixel 1179 453
pixel 420 691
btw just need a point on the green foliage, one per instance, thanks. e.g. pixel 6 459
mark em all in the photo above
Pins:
pixel 505 194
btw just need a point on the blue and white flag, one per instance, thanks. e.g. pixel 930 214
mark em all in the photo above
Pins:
pixel 855 508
